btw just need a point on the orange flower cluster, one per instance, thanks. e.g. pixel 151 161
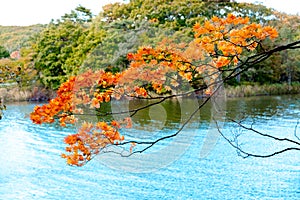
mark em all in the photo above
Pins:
pixel 228 37
pixel 140 91
pixel 100 84
pixel 71 94
pixel 159 56
pixel 100 97
pixel 105 89
pixel 155 65
pixel 57 107
pixel 90 140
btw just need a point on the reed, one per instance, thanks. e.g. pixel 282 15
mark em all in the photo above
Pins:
pixel 260 90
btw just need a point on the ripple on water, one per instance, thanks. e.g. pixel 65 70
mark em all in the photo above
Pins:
pixel 31 168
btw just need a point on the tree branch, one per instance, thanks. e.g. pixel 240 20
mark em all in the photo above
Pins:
pixel 246 154
pixel 264 134
pixel 257 58
pixel 295 131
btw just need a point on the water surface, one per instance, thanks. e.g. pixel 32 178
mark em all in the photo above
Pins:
pixel 31 167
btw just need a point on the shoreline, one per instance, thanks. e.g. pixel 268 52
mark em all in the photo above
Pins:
pixel 40 94
pixel 28 94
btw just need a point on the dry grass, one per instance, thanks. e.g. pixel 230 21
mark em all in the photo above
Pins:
pixel 13 94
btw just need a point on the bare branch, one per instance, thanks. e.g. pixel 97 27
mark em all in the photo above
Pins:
pixel 151 143
pixel 264 134
pixel 295 131
pixel 257 58
pixel 246 154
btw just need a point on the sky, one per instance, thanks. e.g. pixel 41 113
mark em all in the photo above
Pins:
pixel 28 12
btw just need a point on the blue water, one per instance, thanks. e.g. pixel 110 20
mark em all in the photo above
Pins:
pixel 31 167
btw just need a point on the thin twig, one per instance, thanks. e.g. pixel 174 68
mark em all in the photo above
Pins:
pixel 247 154
pixel 264 134
pixel 295 131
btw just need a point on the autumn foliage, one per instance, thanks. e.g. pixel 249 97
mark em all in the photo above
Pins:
pixel 218 43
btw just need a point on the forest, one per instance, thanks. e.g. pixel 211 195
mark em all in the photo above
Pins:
pixel 49 54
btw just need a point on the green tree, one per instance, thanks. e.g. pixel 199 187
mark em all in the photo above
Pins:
pixel 79 15
pixel 62 46
pixel 120 39
pixel 288 27
pixel 3 52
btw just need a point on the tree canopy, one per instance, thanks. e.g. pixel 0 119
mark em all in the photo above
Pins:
pixel 62 46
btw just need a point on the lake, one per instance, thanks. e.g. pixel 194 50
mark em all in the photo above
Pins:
pixel 179 168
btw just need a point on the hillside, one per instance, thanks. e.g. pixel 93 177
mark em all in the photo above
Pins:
pixel 14 37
